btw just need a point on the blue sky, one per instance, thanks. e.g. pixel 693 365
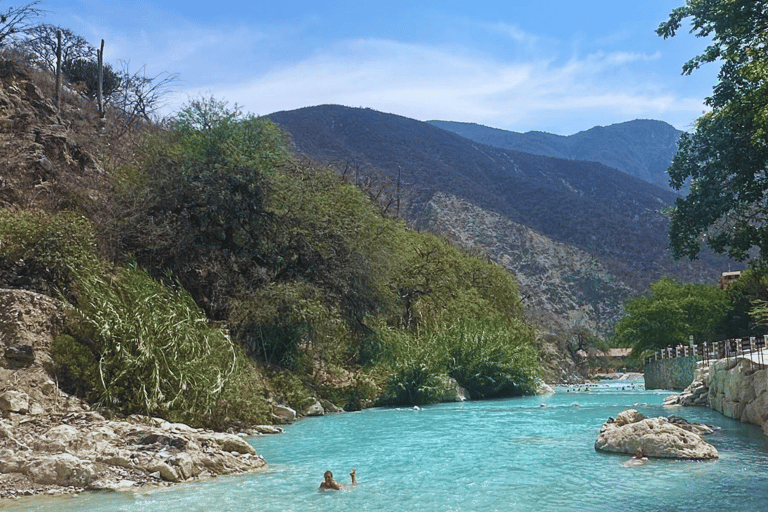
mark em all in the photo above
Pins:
pixel 560 66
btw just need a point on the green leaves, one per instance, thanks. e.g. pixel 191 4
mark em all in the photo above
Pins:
pixel 489 358
pixel 726 157
pixel 671 314
pixel 47 248
pixel 156 353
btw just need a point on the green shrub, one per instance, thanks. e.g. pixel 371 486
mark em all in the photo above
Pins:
pixel 242 401
pixel 46 249
pixel 75 366
pixel 156 353
pixel 492 359
pixel 278 321
pixel 439 284
pixel 290 387
pixel 415 382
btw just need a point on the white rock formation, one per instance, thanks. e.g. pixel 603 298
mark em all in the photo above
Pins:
pixel 657 437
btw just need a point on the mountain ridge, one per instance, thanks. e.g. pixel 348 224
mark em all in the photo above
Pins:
pixel 614 145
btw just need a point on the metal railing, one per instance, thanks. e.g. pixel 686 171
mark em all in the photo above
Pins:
pixel 712 351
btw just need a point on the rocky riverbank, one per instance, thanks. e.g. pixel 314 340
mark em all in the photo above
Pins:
pixel 736 387
pixel 51 442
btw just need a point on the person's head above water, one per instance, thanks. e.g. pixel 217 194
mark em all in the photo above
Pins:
pixel 329 483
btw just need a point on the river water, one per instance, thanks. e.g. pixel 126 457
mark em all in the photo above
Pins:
pixel 525 454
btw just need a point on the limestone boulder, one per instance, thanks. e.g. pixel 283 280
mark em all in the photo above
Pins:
pixel 657 437
pixel 283 414
pixel 544 389
pixel 314 409
pixel 232 443
pixel 271 429
pixel 454 392
pixel 14 401
pixel 330 407
pixel 61 469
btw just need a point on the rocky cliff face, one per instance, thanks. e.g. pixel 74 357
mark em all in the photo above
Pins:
pixel 44 164
pixel 553 277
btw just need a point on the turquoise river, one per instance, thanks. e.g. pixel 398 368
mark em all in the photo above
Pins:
pixel 526 454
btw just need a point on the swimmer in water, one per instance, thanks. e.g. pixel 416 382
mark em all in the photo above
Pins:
pixel 638 459
pixel 330 484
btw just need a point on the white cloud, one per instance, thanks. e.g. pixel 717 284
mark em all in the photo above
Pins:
pixel 429 82
pixel 271 68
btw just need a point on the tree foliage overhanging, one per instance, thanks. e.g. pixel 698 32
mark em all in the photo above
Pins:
pixel 725 158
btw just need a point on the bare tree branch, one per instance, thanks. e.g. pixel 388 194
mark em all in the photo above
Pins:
pixel 17 20
pixel 41 41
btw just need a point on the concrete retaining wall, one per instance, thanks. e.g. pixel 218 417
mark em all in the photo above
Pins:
pixel 675 373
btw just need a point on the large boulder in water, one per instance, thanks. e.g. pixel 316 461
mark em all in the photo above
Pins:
pixel 657 437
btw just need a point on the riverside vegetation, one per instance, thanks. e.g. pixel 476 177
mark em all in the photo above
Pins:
pixel 207 274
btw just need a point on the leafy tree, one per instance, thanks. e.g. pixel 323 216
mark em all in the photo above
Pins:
pixel 743 294
pixel 87 72
pixel 195 206
pixel 725 157
pixel 671 314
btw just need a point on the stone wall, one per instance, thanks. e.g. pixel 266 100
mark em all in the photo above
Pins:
pixel 675 373
pixel 738 388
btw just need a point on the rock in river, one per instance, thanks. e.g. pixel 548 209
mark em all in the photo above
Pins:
pixel 658 437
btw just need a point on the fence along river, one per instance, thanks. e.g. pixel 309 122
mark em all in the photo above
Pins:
pixel 751 348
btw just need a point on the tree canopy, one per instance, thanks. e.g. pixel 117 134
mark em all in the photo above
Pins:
pixel 671 314
pixel 725 157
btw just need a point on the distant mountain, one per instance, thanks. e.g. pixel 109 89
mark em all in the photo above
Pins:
pixel 642 148
pixel 596 211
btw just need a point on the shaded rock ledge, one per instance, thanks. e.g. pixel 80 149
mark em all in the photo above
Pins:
pixel 657 437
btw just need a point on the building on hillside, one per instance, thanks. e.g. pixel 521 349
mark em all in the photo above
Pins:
pixel 726 278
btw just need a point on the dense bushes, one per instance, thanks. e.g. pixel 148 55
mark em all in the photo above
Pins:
pixel 131 343
pixel 152 350
pixel 490 359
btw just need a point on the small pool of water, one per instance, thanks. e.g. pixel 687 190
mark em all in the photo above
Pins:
pixel 527 454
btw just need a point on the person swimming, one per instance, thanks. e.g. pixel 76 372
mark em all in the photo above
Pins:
pixel 329 484
pixel 638 459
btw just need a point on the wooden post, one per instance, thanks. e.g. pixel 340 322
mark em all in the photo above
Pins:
pixel 101 80
pixel 57 92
